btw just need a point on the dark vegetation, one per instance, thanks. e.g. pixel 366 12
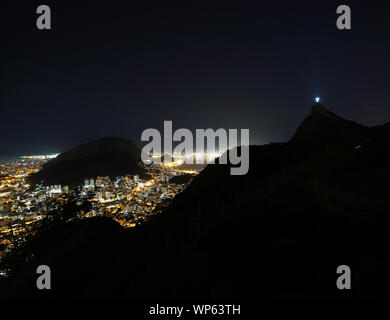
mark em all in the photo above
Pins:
pixel 304 208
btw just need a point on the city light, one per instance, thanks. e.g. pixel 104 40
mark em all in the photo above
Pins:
pixel 129 200
pixel 41 157
pixel 317 99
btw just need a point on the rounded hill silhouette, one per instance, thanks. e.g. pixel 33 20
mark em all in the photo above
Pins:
pixel 103 157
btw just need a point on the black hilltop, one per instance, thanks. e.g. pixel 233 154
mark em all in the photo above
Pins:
pixel 103 157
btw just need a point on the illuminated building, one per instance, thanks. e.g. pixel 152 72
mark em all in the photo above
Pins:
pixel 55 189
pixel 131 196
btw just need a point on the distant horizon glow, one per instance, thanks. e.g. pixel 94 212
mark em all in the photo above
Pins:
pixel 41 157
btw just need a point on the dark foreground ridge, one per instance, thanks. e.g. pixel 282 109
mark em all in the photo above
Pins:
pixel 103 157
pixel 304 208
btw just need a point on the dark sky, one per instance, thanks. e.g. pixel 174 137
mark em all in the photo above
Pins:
pixel 110 68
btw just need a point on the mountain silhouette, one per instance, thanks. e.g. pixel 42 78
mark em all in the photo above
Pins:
pixel 278 232
pixel 103 157
pixel 323 126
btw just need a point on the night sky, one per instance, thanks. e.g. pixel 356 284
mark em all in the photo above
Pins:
pixel 116 68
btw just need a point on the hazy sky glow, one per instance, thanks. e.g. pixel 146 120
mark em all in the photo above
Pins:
pixel 117 68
